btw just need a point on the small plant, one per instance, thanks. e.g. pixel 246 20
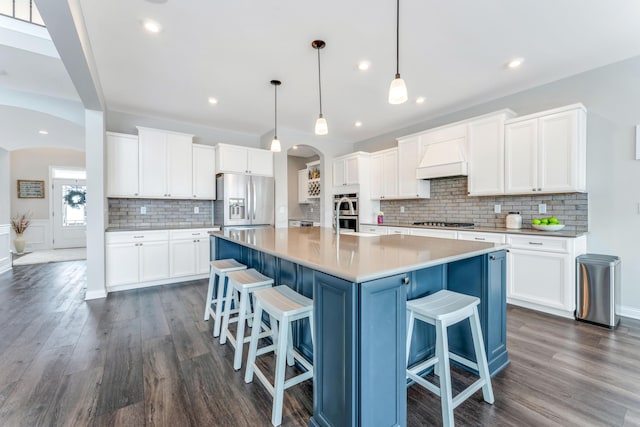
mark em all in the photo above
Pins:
pixel 20 222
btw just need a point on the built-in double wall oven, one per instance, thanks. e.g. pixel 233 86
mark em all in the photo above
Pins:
pixel 347 206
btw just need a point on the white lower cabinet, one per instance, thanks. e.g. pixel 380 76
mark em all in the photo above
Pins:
pixel 476 236
pixel 541 273
pixel 375 229
pixel 429 232
pixel 151 265
pixel 189 253
pixel 398 230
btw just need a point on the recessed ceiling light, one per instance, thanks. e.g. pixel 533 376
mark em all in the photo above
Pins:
pixel 212 100
pixel 364 65
pixel 152 26
pixel 515 63
pixel 358 124
pixel 43 132
pixel 420 100
pixel 3 72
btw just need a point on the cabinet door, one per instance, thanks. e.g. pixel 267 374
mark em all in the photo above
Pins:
pixel 339 173
pixel 351 171
pixel 122 165
pixel 203 255
pixel 377 176
pixel 231 159
pixel 390 173
pixel 260 162
pixel 122 265
pixel 303 186
pixel 154 261
pixel 558 151
pixel 486 157
pixel 183 261
pixel 541 278
pixel 204 172
pixel 408 160
pixel 179 166
pixel 521 140
pixel 153 163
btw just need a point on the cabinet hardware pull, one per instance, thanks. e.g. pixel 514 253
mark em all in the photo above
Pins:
pixel 479 238
pixel 539 189
pixel 138 237
pixel 195 234
pixel 536 243
pixel 406 280
pixel 492 258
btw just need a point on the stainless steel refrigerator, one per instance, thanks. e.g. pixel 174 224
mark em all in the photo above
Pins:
pixel 244 200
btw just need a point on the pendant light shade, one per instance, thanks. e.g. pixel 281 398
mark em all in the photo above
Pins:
pixel 275 142
pixel 321 123
pixel 398 89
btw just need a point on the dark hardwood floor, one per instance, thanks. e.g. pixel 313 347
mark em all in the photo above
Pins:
pixel 146 357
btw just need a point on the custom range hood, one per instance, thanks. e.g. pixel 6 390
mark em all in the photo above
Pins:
pixel 443 159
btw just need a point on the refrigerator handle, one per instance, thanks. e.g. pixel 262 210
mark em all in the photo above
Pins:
pixel 249 207
pixel 255 198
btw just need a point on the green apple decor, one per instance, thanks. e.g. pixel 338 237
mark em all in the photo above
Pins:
pixel 547 224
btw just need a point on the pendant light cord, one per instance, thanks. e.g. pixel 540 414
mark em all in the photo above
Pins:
pixel 319 82
pixel 275 109
pixel 398 39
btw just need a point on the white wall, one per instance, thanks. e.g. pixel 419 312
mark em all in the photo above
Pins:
pixel 5 162
pixel 612 97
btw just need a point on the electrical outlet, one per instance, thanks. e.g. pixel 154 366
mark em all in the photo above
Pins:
pixel 196 209
pixel 542 208
pixel 497 208
pixel 402 209
pixel 143 210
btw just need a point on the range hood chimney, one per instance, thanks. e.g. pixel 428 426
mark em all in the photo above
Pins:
pixel 443 159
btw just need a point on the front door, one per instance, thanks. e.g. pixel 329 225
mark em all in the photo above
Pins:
pixel 69 213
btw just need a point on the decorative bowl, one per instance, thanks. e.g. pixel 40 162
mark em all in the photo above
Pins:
pixel 550 227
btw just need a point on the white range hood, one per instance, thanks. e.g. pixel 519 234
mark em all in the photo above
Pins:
pixel 443 159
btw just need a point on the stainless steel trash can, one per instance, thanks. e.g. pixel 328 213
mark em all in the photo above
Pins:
pixel 598 289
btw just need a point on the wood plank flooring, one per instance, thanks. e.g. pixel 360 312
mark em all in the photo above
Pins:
pixel 146 358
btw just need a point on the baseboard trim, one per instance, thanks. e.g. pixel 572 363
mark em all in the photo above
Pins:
pixel 169 281
pixel 630 312
pixel 97 294
pixel 537 307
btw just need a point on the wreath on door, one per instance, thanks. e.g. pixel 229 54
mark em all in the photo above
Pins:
pixel 76 198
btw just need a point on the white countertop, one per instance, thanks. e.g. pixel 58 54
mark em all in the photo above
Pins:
pixel 353 258
pixel 504 230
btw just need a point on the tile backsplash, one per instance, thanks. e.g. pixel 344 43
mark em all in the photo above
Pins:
pixel 449 202
pixel 125 213
pixel 311 210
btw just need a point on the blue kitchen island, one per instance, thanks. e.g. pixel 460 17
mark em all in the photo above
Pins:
pixel 360 285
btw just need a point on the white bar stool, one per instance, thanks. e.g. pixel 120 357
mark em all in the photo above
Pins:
pixel 213 306
pixel 284 305
pixel 242 284
pixel 443 309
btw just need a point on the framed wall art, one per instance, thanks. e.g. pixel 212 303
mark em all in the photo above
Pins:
pixel 29 189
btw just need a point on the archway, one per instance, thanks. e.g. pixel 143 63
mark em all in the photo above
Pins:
pixel 305 185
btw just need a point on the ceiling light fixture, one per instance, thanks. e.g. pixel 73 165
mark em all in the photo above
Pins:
pixel 152 26
pixel 420 100
pixel 358 124
pixel 275 142
pixel 321 123
pixel 398 89
pixel 515 63
pixel 212 100
pixel 43 132
pixel 363 65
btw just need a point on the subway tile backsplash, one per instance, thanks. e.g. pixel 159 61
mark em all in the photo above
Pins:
pixel 449 202
pixel 311 210
pixel 125 213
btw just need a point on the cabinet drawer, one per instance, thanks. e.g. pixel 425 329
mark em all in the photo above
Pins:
pixel 373 229
pixel 397 230
pixel 482 237
pixel 133 236
pixel 537 243
pixel 441 234
pixel 189 234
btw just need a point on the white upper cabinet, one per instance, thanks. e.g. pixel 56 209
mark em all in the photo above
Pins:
pixel 235 159
pixel 346 170
pixel 486 155
pixel 122 165
pixel 303 186
pixel 204 172
pixel 384 174
pixel 165 164
pixel 546 152
pixel 409 156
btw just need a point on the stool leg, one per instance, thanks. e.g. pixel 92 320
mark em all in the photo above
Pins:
pixel 410 323
pixel 481 357
pixel 274 331
pixel 207 305
pixel 242 317
pixel 217 320
pixel 311 327
pixel 446 399
pixel 281 357
pixel 227 300
pixel 437 369
pixel 290 360
pixel 253 345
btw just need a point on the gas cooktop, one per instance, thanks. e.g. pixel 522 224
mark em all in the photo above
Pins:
pixel 445 224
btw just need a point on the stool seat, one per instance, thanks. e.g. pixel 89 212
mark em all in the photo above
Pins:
pixel 213 305
pixel 443 309
pixel 242 284
pixel 284 306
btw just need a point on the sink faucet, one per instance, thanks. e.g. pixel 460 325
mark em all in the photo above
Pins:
pixel 344 199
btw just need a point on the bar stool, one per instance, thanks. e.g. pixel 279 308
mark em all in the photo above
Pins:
pixel 443 309
pixel 219 268
pixel 242 284
pixel 284 306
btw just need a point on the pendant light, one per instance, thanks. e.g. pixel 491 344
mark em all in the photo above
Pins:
pixel 398 89
pixel 275 142
pixel 321 123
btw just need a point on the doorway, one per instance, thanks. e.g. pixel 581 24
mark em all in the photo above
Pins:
pixel 68 210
